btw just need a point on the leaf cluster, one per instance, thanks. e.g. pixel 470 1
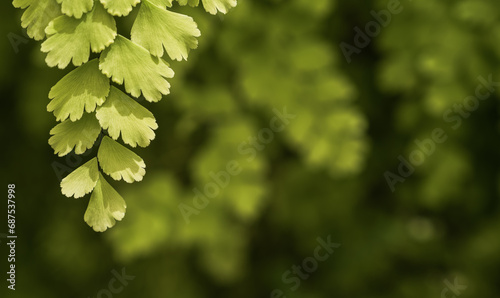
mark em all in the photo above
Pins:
pixel 88 102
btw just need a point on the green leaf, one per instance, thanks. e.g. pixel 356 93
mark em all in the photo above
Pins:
pixel 127 62
pixel 82 89
pixel 80 135
pixel 119 162
pixel 156 28
pixel 105 206
pixel 37 16
pixel 192 3
pixel 119 7
pixel 212 6
pixel 75 8
pixel 122 114
pixel 162 3
pixel 81 181
pixel 72 39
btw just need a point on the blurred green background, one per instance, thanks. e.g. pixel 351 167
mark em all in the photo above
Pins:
pixel 322 176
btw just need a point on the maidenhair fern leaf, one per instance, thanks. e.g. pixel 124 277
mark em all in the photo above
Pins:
pixel 75 8
pixel 83 89
pixel 122 114
pixel 38 15
pixel 156 28
pixel 119 7
pixel 105 206
pixel 129 63
pixel 212 6
pixel 162 3
pixel 82 180
pixel 192 3
pixel 84 101
pixel 119 162
pixel 80 135
pixel 72 39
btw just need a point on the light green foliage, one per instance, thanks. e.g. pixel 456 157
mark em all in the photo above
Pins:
pixel 190 2
pixel 245 193
pixel 84 100
pixel 126 62
pixel 75 8
pixel 280 62
pixel 105 206
pixel 122 114
pixel 119 7
pixel 37 16
pixel 162 3
pixel 81 181
pixel 213 6
pixel 82 90
pixel 79 135
pixel 72 39
pixel 439 68
pixel 156 28
pixel 119 162
pixel 323 174
pixel 437 57
pixel 157 213
pixel 330 131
